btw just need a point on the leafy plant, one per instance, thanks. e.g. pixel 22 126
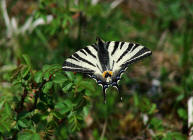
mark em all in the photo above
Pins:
pixel 38 100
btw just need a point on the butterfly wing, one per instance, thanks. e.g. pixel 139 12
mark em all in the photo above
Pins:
pixel 113 56
pixel 122 54
pixel 87 61
pixel 84 61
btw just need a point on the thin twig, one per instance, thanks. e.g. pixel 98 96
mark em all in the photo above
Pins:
pixel 37 94
pixel 20 107
pixel 116 3
pixel 5 15
pixel 190 117
pixel 104 130
pixel 162 39
pixel 94 2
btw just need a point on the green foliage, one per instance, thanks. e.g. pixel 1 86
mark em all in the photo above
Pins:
pixel 38 100
pixel 36 111
pixel 28 136
pixel 174 135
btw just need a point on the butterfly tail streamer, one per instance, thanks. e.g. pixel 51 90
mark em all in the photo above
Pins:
pixel 119 92
pixel 104 93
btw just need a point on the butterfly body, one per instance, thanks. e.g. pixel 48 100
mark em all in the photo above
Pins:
pixel 105 61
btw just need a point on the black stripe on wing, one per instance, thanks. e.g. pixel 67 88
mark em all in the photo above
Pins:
pixel 134 47
pixel 71 57
pixel 75 68
pixel 115 47
pixel 89 52
pixel 69 64
pixel 144 52
pixel 95 46
pixel 107 44
pixel 126 51
pixel 122 43
pixel 83 60
pixel 99 68
pixel 82 51
pixel 79 70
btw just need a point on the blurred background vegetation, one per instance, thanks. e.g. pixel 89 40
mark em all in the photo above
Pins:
pixel 40 101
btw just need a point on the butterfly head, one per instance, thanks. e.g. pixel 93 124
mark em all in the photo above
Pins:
pixel 107 75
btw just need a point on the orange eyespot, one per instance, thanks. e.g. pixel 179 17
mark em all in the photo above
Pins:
pixel 106 73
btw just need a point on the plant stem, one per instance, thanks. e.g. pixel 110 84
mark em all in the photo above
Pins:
pixel 20 108
pixel 37 94
pixel 104 130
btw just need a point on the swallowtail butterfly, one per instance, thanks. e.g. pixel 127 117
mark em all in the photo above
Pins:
pixel 106 61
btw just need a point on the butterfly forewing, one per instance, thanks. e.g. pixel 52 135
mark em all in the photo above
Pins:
pixel 84 60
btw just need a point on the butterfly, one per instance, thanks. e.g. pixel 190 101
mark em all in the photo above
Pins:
pixel 105 61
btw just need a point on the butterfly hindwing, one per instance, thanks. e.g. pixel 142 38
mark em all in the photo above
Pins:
pixel 105 62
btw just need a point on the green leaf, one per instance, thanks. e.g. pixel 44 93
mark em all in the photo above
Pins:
pixel 87 85
pixel 27 59
pixel 36 136
pixel 4 126
pixel 47 75
pixel 152 109
pixel 65 106
pixel 156 124
pixel 70 75
pixel 183 113
pixel 46 67
pixel 6 118
pixel 62 108
pixel 25 71
pixel 74 121
pixel 63 133
pixel 180 97
pixel 136 99
pixel 8 109
pixel 64 22
pixel 69 103
pixel 28 135
pixel 59 78
pixel 38 77
pixel 96 134
pixel 47 87
pixel 174 136
pixel 22 124
pixel 50 69
pixel 1 104
pixel 67 87
pixel 42 37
